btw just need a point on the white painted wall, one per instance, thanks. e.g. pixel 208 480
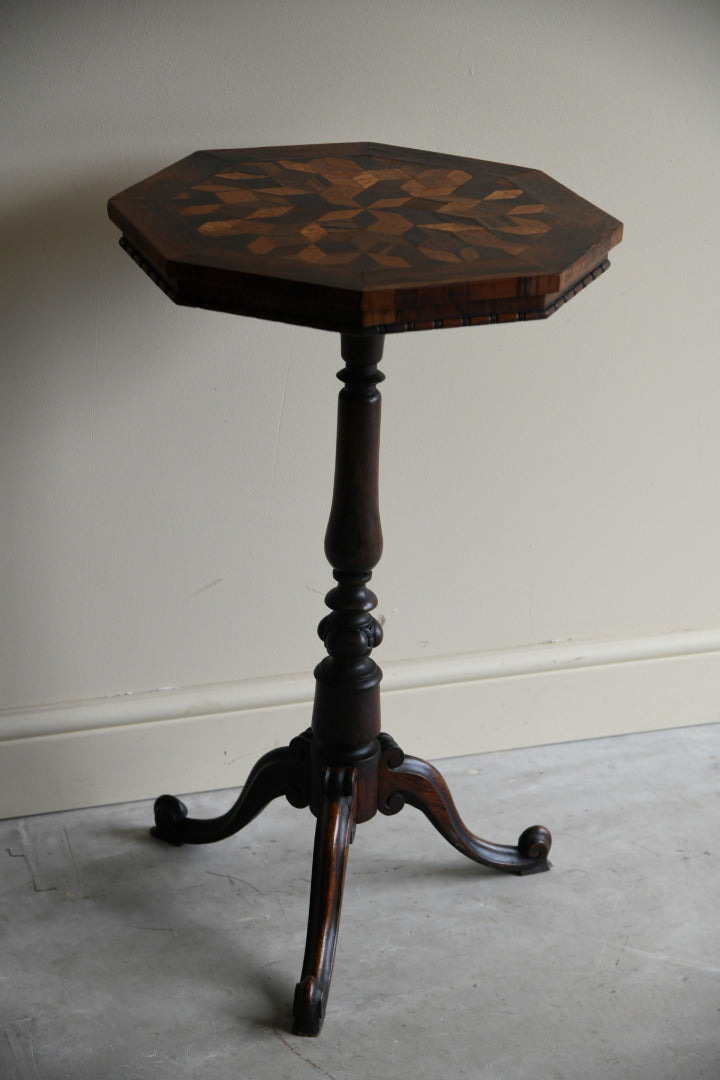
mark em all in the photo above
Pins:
pixel 166 473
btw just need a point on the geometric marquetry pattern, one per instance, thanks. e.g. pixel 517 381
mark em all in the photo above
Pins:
pixel 363 212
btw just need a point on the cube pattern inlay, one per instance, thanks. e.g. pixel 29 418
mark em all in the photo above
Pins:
pixel 367 211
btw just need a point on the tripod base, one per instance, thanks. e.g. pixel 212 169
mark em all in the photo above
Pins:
pixel 341 795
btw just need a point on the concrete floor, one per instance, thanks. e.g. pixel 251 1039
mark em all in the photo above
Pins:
pixel 125 958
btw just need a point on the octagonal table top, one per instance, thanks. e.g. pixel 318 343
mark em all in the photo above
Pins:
pixel 363 237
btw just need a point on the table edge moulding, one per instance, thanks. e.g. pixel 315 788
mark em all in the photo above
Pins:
pixel 366 240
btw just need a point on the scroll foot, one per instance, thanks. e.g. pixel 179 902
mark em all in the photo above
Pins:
pixel 309 1007
pixel 410 780
pixel 170 817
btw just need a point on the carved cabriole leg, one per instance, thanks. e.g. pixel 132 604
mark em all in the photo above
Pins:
pixel 285 771
pixel 410 780
pixel 333 835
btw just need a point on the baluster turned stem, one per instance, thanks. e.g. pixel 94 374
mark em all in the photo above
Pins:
pixel 346 716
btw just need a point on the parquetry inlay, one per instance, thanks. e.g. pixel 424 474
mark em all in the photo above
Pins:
pixel 363 211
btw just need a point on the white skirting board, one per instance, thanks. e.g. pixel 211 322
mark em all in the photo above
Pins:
pixel 137 746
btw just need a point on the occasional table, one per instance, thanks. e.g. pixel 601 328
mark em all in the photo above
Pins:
pixel 366 240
